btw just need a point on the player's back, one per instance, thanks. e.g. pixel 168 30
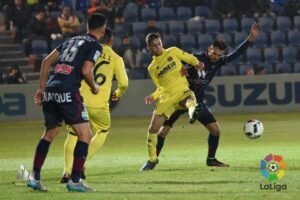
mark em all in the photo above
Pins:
pixel 72 55
pixel 104 71
pixel 166 69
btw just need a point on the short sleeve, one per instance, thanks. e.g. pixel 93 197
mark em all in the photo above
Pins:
pixel 93 52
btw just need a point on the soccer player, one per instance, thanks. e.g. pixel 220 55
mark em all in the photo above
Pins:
pixel 108 65
pixel 213 59
pixel 61 101
pixel 172 91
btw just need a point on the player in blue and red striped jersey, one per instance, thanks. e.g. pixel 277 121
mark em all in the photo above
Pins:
pixel 59 96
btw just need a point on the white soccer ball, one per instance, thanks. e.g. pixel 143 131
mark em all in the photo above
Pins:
pixel 253 128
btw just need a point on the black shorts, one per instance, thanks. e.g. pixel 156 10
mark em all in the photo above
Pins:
pixel 205 117
pixel 59 106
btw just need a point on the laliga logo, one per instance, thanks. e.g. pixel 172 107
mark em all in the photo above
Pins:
pixel 273 168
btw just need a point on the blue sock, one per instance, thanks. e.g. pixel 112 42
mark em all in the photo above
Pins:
pixel 160 144
pixel 213 142
pixel 80 154
pixel 39 157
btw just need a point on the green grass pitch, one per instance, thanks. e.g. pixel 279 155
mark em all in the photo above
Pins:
pixel 181 173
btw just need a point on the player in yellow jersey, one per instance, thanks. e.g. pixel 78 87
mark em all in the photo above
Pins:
pixel 108 65
pixel 172 91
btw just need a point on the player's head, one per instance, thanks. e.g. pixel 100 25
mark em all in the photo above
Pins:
pixel 96 25
pixel 108 37
pixel 153 41
pixel 217 50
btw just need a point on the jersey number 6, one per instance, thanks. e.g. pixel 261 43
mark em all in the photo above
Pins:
pixel 99 76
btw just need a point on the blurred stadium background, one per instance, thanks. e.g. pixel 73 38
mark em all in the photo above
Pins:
pixel 189 24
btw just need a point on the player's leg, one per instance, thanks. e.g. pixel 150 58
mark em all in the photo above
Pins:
pixel 156 122
pixel 211 124
pixel 213 143
pixel 84 134
pixel 69 146
pixel 165 129
pixel 100 123
pixel 52 122
pixel 190 103
pixel 40 157
pixel 161 136
pixel 76 115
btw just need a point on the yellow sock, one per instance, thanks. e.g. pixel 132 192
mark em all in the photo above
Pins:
pixel 151 144
pixel 191 105
pixel 69 147
pixel 96 143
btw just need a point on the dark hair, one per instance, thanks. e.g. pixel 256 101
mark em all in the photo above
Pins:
pixel 40 9
pixel 152 36
pixel 107 36
pixel 96 20
pixel 220 44
pixel 16 67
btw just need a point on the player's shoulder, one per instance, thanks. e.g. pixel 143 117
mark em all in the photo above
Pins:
pixel 173 49
pixel 113 54
pixel 151 65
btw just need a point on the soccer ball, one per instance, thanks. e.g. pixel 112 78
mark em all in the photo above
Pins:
pixel 253 128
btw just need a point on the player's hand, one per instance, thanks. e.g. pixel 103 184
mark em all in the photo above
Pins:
pixel 200 66
pixel 95 90
pixel 149 99
pixel 114 96
pixel 255 29
pixel 38 98
pixel 184 72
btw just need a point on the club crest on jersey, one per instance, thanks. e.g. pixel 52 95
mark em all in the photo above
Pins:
pixel 170 58
pixel 63 69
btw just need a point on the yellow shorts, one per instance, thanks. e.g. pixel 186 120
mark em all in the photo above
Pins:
pixel 99 119
pixel 169 103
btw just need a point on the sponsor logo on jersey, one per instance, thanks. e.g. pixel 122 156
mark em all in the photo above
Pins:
pixel 63 69
pixel 166 69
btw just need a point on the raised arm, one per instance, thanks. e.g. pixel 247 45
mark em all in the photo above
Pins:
pixel 244 45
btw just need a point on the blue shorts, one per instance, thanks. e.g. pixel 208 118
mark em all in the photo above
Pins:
pixel 59 106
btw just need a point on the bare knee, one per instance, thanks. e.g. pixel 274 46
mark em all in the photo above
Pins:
pixel 214 129
pixel 153 129
pixel 83 132
pixel 50 133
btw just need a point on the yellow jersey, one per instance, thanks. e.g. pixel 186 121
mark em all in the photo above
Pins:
pixel 165 71
pixel 108 65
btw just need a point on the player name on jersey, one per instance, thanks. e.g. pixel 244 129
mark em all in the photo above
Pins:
pixel 62 97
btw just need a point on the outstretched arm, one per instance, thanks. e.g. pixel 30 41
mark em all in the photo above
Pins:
pixel 244 45
pixel 254 31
